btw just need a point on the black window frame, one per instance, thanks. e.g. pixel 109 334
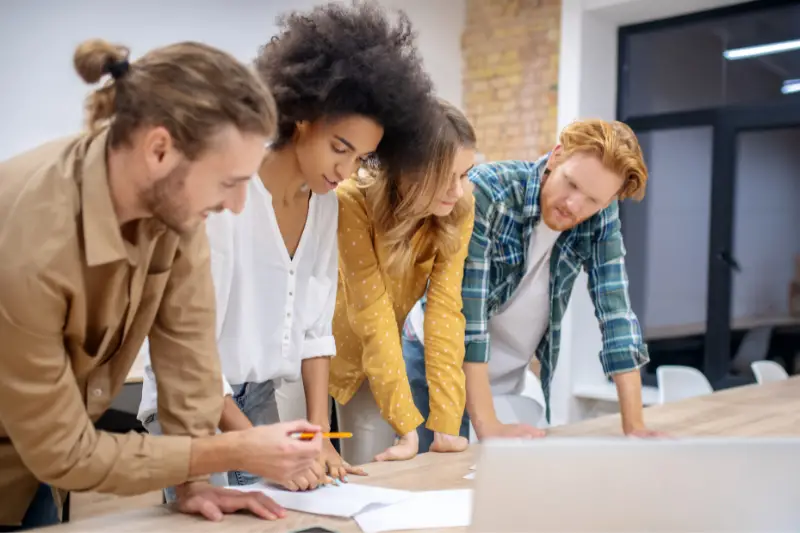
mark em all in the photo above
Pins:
pixel 727 122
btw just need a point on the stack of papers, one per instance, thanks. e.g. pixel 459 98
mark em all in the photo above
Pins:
pixel 346 500
pixel 423 510
pixel 377 509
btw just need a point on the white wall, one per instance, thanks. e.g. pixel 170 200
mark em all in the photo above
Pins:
pixel 42 95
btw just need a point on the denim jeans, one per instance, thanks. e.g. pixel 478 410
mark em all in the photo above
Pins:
pixel 414 356
pixel 257 402
pixel 42 511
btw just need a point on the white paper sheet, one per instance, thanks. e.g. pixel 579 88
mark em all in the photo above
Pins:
pixel 345 500
pixel 423 510
pixel 471 475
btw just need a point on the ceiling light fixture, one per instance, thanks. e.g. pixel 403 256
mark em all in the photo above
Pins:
pixel 791 86
pixel 762 49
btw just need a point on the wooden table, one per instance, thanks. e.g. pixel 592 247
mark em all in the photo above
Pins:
pixel 755 410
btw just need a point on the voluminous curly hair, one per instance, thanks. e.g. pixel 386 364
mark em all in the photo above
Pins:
pixel 339 60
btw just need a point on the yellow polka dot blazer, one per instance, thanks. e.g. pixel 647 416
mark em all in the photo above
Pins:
pixel 371 308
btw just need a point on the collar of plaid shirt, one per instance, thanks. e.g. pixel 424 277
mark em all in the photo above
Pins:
pixel 506 212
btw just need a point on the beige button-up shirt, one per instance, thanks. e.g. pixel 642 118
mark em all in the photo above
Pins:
pixel 77 299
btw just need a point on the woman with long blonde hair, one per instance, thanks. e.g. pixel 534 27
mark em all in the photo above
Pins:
pixel 402 236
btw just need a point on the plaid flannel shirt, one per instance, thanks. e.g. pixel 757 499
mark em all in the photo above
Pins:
pixel 506 212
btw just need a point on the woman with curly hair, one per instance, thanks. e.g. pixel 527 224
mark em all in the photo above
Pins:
pixel 349 87
pixel 400 236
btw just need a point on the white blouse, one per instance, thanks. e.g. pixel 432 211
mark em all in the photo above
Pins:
pixel 273 311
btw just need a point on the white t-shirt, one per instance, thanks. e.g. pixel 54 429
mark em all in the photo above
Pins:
pixel 273 311
pixel 517 329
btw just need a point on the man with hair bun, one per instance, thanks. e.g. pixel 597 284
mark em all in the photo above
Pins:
pixel 537 224
pixel 102 244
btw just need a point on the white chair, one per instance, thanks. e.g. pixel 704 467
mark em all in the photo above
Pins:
pixel 518 409
pixel 677 382
pixel 768 371
pixel 513 409
pixel 533 388
pixel 754 347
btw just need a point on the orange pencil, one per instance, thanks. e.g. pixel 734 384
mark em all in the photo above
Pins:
pixel 309 436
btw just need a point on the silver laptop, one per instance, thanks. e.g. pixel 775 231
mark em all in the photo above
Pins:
pixel 670 485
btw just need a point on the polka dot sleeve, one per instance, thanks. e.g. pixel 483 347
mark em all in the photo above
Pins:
pixel 370 314
pixel 444 339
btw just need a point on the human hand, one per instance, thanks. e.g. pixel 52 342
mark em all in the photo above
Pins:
pixel 213 503
pixel 499 430
pixel 337 467
pixel 273 453
pixel 406 447
pixel 444 443
pixel 308 479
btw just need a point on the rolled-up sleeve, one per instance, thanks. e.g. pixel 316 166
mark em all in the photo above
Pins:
pixel 183 348
pixel 43 411
pixel 475 289
pixel 623 349
pixel 319 341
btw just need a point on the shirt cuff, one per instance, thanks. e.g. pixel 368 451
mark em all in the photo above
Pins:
pixel 406 422
pixel 323 346
pixel 477 352
pixel 447 424
pixel 624 359
pixel 170 465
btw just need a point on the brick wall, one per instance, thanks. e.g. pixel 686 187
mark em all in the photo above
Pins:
pixel 510 51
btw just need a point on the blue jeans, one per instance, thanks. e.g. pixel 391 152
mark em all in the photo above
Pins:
pixel 414 356
pixel 42 511
pixel 257 402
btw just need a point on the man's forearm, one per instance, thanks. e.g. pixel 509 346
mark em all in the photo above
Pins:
pixel 480 403
pixel 315 383
pixel 629 390
pixel 233 419
pixel 218 453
